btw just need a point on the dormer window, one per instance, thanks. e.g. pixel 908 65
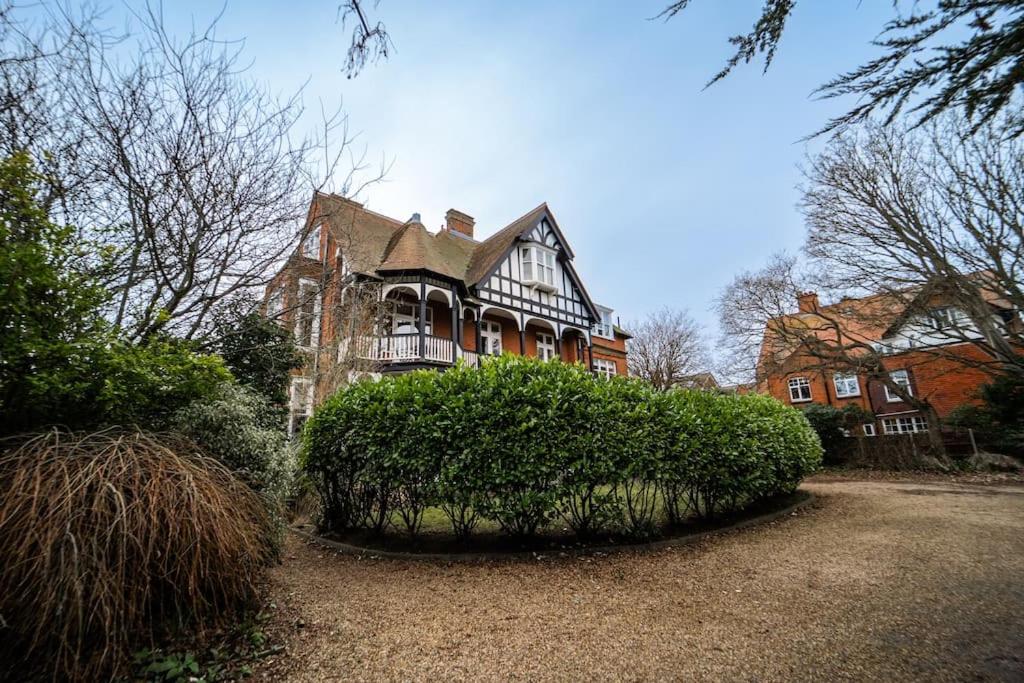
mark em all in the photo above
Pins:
pixel 311 245
pixel 538 266
pixel 943 318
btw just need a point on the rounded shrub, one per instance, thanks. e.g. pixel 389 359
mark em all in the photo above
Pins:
pixel 521 442
pixel 242 430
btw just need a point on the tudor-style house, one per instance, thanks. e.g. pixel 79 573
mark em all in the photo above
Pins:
pixel 365 292
pixel 927 346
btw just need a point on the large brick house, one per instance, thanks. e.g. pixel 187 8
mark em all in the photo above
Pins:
pixel 921 342
pixel 434 298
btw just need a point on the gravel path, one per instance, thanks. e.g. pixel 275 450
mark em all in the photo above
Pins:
pixel 877 580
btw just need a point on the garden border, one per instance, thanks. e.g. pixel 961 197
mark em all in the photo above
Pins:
pixel 806 497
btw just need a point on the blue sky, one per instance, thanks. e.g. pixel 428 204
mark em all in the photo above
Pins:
pixel 664 190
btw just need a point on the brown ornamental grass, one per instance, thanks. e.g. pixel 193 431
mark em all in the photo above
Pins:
pixel 112 539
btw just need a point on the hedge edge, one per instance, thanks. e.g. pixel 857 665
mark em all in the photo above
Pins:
pixel 805 499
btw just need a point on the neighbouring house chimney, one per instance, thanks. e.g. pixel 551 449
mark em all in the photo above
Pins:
pixel 456 221
pixel 807 302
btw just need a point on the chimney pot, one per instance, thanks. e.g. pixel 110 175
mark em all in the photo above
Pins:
pixel 459 223
pixel 807 302
pixel 415 218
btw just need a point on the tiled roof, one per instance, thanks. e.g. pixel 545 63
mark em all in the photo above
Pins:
pixel 490 251
pixel 373 243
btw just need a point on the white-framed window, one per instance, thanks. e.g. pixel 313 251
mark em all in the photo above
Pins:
pixel 869 429
pixel 846 385
pixel 490 338
pixel 604 328
pixel 605 368
pixel 799 389
pixel 943 318
pixel 545 346
pixel 275 305
pixel 910 424
pixel 307 314
pixel 898 377
pixel 311 245
pixel 538 265
pixel 405 318
pixel 300 404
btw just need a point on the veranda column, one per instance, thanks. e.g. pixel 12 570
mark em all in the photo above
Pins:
pixel 456 326
pixel 522 342
pixel 423 318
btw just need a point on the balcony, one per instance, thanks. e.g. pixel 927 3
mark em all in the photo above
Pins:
pixel 405 348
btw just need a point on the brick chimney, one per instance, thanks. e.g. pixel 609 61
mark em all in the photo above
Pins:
pixel 458 222
pixel 807 302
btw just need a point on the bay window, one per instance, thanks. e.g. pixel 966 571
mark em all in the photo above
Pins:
pixel 538 266
pixel 912 424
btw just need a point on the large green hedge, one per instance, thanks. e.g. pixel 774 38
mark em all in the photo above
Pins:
pixel 523 443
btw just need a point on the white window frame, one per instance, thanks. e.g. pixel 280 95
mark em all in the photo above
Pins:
pixel 841 382
pixel 545 346
pixel 943 318
pixel 906 424
pixel 490 338
pixel 296 408
pixel 314 336
pixel 605 368
pixel 604 327
pixel 311 245
pixel 275 305
pixel 799 383
pixel 869 429
pixel 406 315
pixel 538 266
pixel 902 378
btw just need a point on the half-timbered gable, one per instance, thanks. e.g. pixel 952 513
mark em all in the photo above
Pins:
pixel 536 277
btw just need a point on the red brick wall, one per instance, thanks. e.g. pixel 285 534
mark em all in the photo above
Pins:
pixel 944 382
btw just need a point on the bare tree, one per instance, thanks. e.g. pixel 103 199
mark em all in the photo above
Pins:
pixel 194 176
pixel 369 44
pixel 667 347
pixel 921 217
pixel 954 54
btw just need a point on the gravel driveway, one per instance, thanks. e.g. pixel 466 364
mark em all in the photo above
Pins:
pixel 877 580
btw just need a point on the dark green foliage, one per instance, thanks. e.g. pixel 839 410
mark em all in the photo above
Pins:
pixel 238 427
pixel 998 422
pixel 258 352
pixel 520 442
pixel 832 424
pixel 60 362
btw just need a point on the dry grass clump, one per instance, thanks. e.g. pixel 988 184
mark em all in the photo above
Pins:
pixel 108 539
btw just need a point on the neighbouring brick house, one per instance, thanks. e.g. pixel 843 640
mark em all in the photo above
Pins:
pixel 918 347
pixel 516 291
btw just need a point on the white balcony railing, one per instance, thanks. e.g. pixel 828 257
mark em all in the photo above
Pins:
pixel 472 358
pixel 399 348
